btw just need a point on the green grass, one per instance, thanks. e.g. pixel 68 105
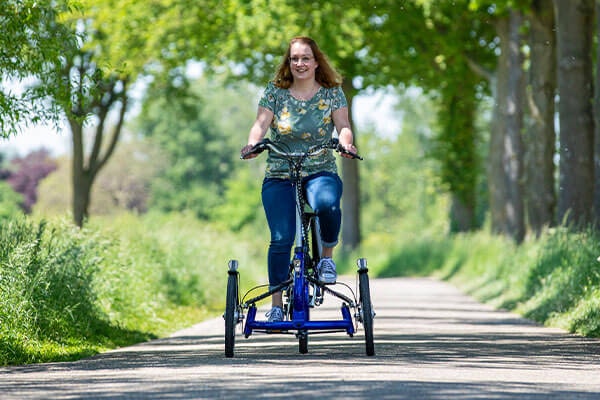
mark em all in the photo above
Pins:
pixel 67 293
pixel 554 280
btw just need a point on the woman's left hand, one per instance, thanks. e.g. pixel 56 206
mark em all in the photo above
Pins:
pixel 349 147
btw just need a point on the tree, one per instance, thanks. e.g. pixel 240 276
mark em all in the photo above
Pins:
pixel 121 41
pixel 597 125
pixel 33 38
pixel 107 91
pixel 194 127
pixel 455 41
pixel 416 200
pixel 540 136
pixel 576 180
pixel 123 185
pixel 9 199
pixel 91 91
pixel 506 148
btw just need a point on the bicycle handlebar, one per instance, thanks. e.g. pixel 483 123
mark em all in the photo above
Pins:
pixel 267 144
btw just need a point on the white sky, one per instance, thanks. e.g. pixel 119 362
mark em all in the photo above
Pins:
pixel 376 110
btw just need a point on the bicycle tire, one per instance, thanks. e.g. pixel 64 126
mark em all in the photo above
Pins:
pixel 367 312
pixel 231 308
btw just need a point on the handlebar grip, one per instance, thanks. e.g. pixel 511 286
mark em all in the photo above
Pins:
pixel 335 144
pixel 353 155
pixel 257 149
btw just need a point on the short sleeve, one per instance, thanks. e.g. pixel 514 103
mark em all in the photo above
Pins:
pixel 338 99
pixel 268 98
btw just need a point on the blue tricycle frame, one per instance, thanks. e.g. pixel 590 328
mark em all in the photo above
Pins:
pixel 302 290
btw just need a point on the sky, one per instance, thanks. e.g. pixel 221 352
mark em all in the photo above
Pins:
pixel 373 110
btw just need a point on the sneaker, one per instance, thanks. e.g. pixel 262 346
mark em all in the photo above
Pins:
pixel 326 271
pixel 275 315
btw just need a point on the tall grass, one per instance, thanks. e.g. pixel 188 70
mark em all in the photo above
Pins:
pixel 67 292
pixel 554 280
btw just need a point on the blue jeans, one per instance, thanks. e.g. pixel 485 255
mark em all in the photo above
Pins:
pixel 323 192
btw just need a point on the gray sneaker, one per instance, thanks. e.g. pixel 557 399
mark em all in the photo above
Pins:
pixel 275 315
pixel 326 271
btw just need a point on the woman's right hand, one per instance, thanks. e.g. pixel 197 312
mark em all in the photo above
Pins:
pixel 245 150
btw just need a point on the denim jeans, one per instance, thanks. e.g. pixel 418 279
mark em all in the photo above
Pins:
pixel 323 192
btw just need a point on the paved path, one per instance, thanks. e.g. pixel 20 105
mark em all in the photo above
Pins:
pixel 431 341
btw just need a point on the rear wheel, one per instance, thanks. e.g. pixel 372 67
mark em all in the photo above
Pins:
pixel 366 310
pixel 231 312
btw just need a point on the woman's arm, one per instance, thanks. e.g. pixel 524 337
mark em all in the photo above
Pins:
pixel 342 125
pixel 258 130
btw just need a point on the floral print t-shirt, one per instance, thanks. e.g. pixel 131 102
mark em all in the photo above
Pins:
pixel 301 124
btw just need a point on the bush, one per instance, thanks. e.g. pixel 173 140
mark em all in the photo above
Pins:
pixel 9 201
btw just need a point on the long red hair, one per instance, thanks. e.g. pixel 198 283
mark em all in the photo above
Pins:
pixel 325 74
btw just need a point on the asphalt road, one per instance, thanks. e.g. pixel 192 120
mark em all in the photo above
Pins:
pixel 431 342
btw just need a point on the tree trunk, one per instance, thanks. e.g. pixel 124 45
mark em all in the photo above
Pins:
pixel 597 125
pixel 81 196
pixel 351 195
pixel 506 149
pixel 462 214
pixel 540 138
pixel 513 162
pixel 84 171
pixel 496 182
pixel 576 182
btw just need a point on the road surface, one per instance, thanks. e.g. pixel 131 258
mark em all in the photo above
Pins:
pixel 432 342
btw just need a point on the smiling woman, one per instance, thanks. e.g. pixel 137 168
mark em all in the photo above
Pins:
pixel 300 108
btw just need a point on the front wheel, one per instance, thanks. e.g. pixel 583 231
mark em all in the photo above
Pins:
pixel 231 312
pixel 366 311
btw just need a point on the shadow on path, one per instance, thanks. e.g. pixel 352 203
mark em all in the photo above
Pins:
pixel 438 349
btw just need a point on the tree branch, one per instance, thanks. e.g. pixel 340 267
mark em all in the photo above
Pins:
pixel 480 70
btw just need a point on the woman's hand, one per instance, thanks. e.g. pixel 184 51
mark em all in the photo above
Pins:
pixel 349 147
pixel 245 150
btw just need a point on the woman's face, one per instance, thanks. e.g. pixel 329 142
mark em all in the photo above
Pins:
pixel 302 61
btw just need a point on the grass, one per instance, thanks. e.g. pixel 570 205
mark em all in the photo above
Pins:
pixel 554 280
pixel 67 293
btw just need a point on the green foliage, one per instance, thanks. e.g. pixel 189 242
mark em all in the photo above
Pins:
pixel 46 291
pixel 565 273
pixel 241 203
pixel 67 292
pixel 199 129
pixel 455 145
pixel 10 201
pixel 553 280
pixel 399 187
pixel 33 38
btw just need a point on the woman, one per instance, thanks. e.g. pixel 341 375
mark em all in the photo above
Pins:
pixel 301 106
